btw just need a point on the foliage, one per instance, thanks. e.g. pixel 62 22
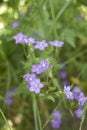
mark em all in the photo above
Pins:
pixel 49 20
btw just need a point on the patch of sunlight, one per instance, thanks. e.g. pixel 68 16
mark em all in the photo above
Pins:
pixel 84 11
pixel 3 9
pixel 1 25
pixel 10 123
pixel 5 0
pixel 22 2
pixel 18 118
pixel 10 10
pixel 0 44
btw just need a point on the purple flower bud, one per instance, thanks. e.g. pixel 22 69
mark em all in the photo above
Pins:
pixel 65 83
pixel 79 113
pixel 63 74
pixel 15 24
pixel 9 96
pixel 56 119
pixel 76 92
pixel 9 100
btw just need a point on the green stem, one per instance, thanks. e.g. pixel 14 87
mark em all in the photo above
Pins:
pixel 63 9
pixel 83 117
pixel 5 119
pixel 49 118
pixel 53 18
pixel 58 15
pixel 79 54
pixel 39 120
pixel 35 112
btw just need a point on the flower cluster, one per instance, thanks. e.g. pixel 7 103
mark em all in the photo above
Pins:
pixel 34 84
pixel 56 119
pixel 78 95
pixel 21 38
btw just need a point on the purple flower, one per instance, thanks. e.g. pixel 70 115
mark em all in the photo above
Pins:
pixel 65 83
pixel 31 40
pixel 80 16
pixel 36 69
pixel 56 119
pixel 41 67
pixel 44 64
pixel 76 92
pixel 81 99
pixel 41 45
pixel 9 100
pixel 56 43
pixel 9 96
pixel 68 93
pixel 79 113
pixel 15 24
pixel 63 74
pixel 21 38
pixel 29 77
pixel 35 86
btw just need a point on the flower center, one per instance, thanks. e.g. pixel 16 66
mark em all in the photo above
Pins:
pixel 36 86
pixel 30 78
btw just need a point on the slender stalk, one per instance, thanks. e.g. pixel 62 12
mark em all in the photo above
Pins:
pixel 39 120
pixel 49 118
pixel 59 14
pixel 83 117
pixel 53 18
pixel 63 9
pixel 5 119
pixel 35 112
pixel 79 54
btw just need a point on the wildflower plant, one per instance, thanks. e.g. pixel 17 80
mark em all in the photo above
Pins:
pixel 44 54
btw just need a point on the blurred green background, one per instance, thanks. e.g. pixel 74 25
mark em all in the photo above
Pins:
pixel 64 20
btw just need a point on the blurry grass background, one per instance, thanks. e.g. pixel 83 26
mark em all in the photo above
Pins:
pixel 64 20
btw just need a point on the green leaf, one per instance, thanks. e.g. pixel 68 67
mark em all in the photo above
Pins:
pixel 51 98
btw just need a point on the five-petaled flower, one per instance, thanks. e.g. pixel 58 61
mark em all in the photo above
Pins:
pixel 68 93
pixel 81 99
pixel 41 67
pixel 29 77
pixel 20 38
pixel 56 43
pixel 40 45
pixel 35 86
